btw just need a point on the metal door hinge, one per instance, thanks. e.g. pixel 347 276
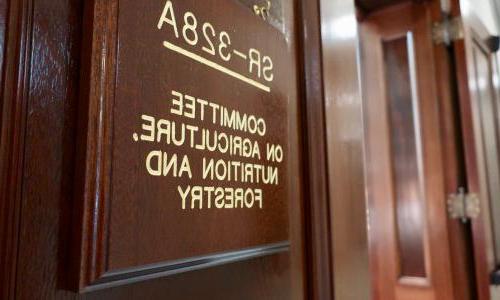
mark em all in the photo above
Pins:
pixel 463 206
pixel 262 10
pixel 448 31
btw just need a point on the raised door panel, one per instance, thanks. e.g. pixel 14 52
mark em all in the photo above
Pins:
pixel 408 237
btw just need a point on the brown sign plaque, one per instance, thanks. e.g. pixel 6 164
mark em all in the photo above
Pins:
pixel 184 134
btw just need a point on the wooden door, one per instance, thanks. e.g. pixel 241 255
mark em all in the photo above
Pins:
pixel 477 74
pixel 409 238
pixel 93 203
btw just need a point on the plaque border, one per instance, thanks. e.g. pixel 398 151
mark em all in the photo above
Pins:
pixel 94 143
pixel 152 271
pixel 89 263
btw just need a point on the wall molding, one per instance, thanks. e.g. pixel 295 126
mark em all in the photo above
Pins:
pixel 315 159
pixel 16 18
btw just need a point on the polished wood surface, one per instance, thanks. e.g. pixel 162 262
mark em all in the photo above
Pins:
pixel 39 142
pixel 474 142
pixel 344 123
pixel 14 21
pixel 138 226
pixel 406 154
pixel 455 172
pixel 3 25
pixel 412 21
pixel 315 154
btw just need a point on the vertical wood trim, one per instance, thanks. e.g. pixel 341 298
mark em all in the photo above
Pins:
pixel 344 129
pixel 472 138
pixel 3 27
pixel 454 172
pixel 94 141
pixel 462 264
pixel 14 90
pixel 317 219
pixel 473 181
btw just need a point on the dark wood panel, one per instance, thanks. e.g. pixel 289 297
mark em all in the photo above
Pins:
pixel 315 161
pixel 47 195
pixel 140 223
pixel 15 18
pixel 406 153
pixel 3 26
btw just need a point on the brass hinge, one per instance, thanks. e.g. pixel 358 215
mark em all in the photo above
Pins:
pixel 463 206
pixel 262 10
pixel 448 31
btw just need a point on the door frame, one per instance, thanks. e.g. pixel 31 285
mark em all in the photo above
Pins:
pixel 474 31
